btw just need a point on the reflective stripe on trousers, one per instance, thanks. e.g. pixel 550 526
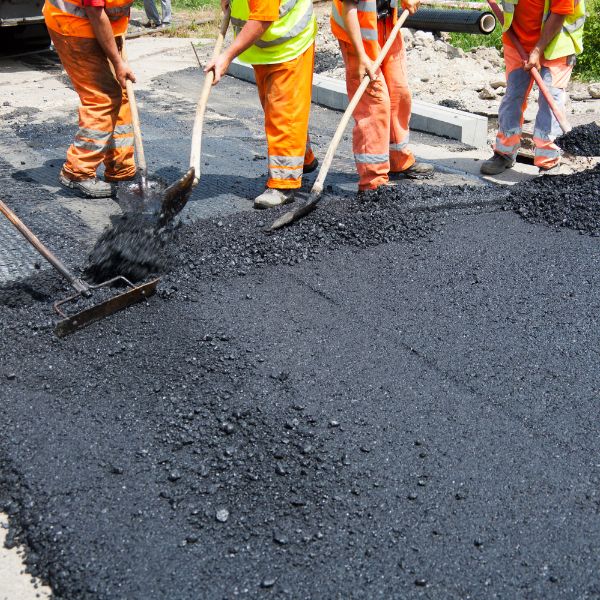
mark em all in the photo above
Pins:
pixel 105 133
pixel 285 92
pixel 556 74
pixel 380 134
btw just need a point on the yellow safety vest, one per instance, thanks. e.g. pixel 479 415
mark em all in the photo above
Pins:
pixel 286 38
pixel 568 41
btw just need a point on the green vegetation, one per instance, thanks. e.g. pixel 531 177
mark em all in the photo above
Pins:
pixel 466 41
pixel 194 4
pixel 588 63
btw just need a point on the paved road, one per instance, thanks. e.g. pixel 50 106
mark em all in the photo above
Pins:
pixel 385 402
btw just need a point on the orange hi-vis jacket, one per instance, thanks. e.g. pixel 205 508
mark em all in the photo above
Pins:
pixel 367 19
pixel 68 17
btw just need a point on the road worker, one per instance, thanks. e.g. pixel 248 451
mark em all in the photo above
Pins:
pixel 88 36
pixel 551 32
pixel 277 38
pixel 381 135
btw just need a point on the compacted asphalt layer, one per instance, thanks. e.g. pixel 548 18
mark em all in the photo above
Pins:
pixel 374 403
pixel 385 400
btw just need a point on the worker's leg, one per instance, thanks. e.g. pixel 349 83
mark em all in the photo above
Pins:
pixel 513 105
pixel 151 11
pixel 310 161
pixel 371 133
pixel 100 95
pixel 396 78
pixel 166 11
pixel 285 93
pixel 556 75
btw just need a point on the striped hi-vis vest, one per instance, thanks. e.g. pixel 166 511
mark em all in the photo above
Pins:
pixel 68 17
pixel 568 41
pixel 367 19
pixel 286 38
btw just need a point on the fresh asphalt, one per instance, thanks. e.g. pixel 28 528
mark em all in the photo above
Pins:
pixel 384 401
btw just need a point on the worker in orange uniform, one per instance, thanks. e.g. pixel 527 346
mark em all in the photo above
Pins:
pixel 87 34
pixel 381 135
pixel 277 38
pixel 551 32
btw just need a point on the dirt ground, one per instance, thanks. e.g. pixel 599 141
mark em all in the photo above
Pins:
pixel 395 398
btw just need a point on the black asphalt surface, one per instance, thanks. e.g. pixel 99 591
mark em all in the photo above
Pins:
pixel 383 401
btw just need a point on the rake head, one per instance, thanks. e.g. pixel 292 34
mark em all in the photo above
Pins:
pixel 135 293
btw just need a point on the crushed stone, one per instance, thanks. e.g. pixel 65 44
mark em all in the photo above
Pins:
pixel 571 201
pixel 583 140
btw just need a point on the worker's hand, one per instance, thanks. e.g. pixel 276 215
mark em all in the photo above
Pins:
pixel 411 5
pixel 366 67
pixel 219 66
pixel 533 60
pixel 123 72
pixel 224 5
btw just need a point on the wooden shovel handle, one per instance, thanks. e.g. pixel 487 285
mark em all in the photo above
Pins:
pixel 317 187
pixel 560 117
pixel 196 151
pixel 135 121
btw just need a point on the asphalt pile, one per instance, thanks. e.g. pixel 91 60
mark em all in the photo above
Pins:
pixel 571 201
pixel 583 140
pixel 135 246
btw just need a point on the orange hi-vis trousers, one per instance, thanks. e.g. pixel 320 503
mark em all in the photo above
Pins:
pixel 285 92
pixel 105 132
pixel 556 74
pixel 380 137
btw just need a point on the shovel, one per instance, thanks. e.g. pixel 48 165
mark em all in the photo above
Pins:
pixel 317 189
pixel 142 167
pixel 560 117
pixel 98 311
pixel 176 195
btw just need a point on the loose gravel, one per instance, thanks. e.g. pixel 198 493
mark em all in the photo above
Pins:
pixel 583 140
pixel 571 201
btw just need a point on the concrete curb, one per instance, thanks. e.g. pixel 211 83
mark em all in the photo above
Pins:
pixel 458 125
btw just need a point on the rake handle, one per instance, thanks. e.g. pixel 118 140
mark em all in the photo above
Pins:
pixel 79 285
pixel 196 151
pixel 560 117
pixel 317 187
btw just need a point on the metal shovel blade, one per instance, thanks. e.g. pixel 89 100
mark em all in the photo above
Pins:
pixel 106 308
pixel 291 216
pixel 175 197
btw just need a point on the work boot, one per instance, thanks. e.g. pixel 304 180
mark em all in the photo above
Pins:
pixel 272 197
pixel 91 188
pixel 415 171
pixel 310 167
pixel 496 165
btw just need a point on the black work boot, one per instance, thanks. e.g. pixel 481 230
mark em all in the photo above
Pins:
pixel 415 171
pixel 496 165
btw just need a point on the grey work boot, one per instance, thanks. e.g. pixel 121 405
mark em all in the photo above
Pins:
pixel 272 197
pixel 496 165
pixel 310 167
pixel 415 171
pixel 90 188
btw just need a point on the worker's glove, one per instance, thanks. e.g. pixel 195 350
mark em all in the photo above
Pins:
pixel 533 60
pixel 411 5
